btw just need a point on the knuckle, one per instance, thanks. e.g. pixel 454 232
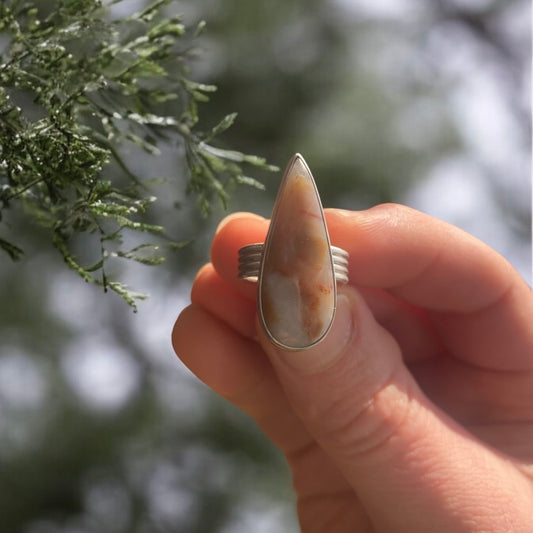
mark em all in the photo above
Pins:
pixel 367 432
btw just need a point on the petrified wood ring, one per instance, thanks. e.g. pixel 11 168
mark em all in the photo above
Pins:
pixel 297 269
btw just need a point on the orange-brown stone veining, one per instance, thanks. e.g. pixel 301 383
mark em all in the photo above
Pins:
pixel 296 292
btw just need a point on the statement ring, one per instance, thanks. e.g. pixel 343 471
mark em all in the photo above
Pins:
pixel 297 269
pixel 250 258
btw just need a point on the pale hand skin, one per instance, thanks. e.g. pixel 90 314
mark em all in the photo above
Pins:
pixel 415 414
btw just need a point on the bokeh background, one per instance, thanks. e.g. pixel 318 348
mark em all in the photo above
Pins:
pixel 426 103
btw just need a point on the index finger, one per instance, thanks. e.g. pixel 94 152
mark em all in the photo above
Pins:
pixel 480 306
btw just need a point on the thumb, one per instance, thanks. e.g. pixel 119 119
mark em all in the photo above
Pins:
pixel 412 467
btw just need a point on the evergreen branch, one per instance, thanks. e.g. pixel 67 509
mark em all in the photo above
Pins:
pixel 75 87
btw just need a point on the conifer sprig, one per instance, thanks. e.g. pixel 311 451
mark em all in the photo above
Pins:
pixel 75 86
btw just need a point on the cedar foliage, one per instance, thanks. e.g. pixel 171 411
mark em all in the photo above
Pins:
pixel 96 84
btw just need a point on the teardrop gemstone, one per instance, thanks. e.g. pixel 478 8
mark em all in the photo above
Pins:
pixel 297 291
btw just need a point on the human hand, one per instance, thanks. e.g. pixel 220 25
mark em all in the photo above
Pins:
pixel 415 413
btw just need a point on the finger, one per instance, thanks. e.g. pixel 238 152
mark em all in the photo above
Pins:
pixel 419 259
pixel 214 338
pixel 243 378
pixel 516 440
pixel 478 303
pixel 399 452
pixel 211 293
pixel 237 369
pixel 489 397
pixel 234 232
pixel 473 395
pixel 406 322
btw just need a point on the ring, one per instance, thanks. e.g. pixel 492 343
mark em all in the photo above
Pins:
pixel 297 270
pixel 250 257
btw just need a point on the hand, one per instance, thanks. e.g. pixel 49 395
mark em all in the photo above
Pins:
pixel 415 414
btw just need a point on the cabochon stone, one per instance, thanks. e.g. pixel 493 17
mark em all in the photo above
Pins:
pixel 297 293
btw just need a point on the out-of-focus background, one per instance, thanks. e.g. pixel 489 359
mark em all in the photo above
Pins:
pixel 426 103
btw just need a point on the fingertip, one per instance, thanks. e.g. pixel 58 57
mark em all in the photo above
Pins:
pixel 211 293
pixel 181 325
pixel 203 277
pixel 346 227
pixel 236 216
pixel 219 356
pixel 236 231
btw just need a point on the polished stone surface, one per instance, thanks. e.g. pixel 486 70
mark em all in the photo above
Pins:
pixel 297 293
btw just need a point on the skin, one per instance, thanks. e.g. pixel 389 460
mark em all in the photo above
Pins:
pixel 416 412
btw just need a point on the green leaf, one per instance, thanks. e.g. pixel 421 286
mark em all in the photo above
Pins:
pixel 147 254
pixel 221 127
pixel 251 182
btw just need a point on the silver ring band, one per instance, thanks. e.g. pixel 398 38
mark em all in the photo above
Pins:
pixel 250 258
